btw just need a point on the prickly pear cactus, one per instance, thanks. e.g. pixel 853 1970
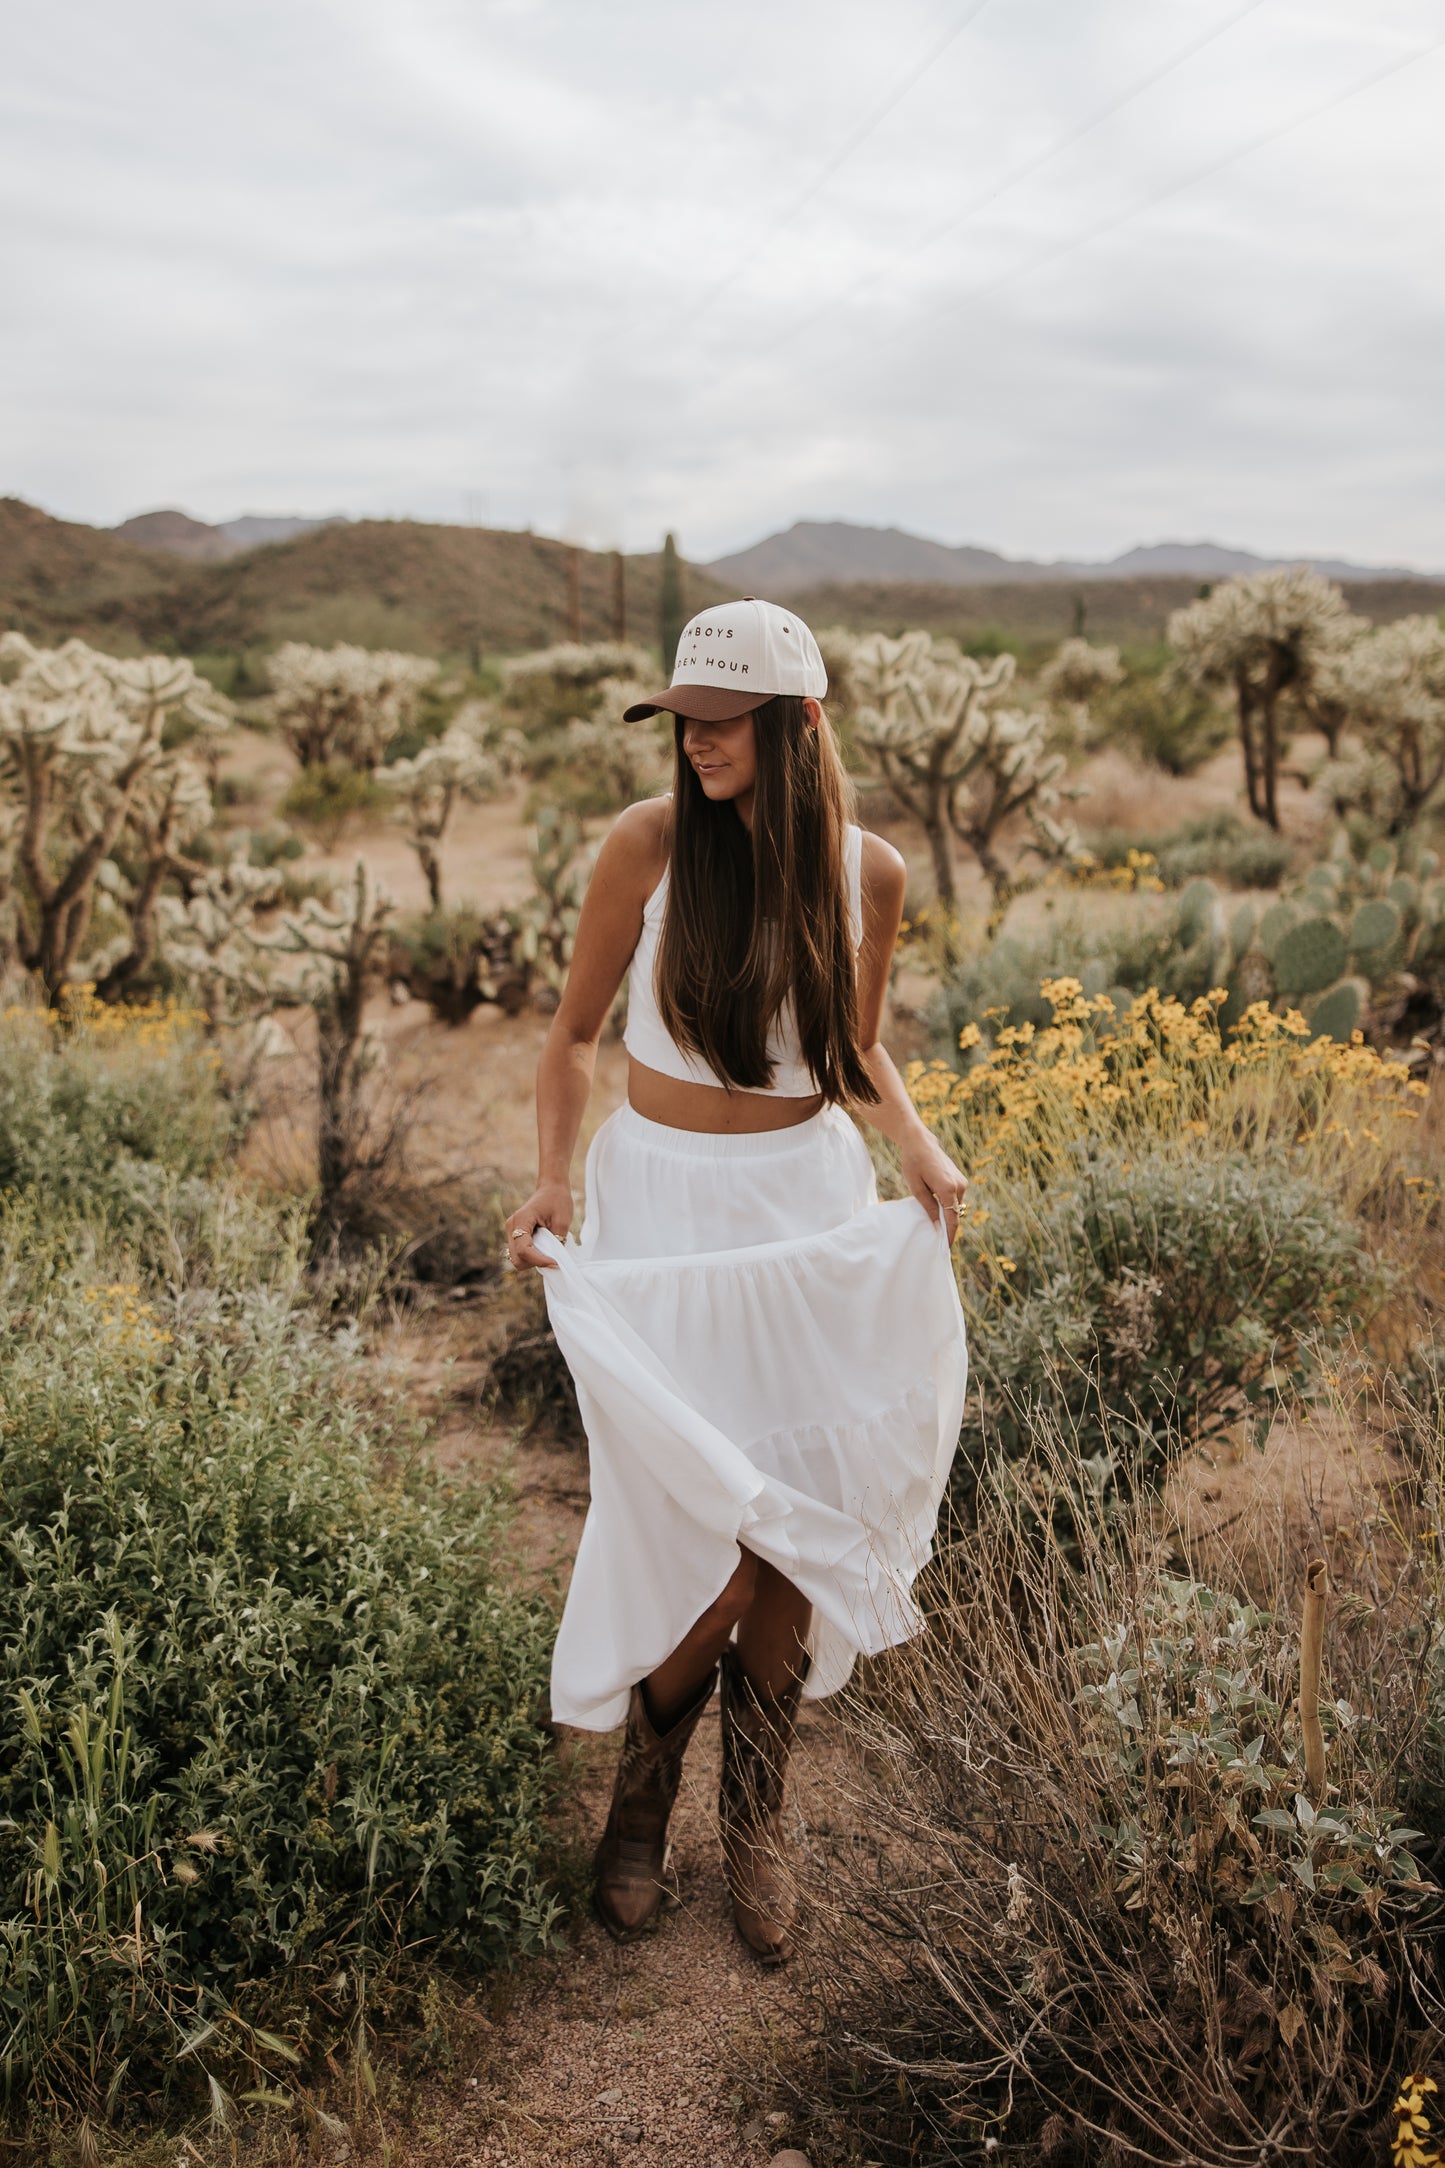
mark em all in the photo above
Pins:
pixel 1374 929
pixel 1196 910
pixel 1241 931
pixel 1251 980
pixel 1310 955
pixel 1275 924
pixel 1337 1011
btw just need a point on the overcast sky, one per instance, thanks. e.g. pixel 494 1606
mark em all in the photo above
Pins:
pixel 609 266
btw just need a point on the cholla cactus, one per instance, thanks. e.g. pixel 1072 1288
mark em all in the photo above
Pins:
pixel 580 663
pixel 547 921
pixel 170 808
pixel 837 647
pixel 1391 685
pixel 81 752
pixel 1272 639
pixel 931 719
pixel 628 760
pixel 548 688
pixel 343 703
pixel 338 947
pixel 1015 775
pixel 211 940
pixel 920 715
pixel 470 760
pixel 1076 676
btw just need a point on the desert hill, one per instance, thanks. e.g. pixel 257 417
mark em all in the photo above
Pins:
pixel 815 553
pixel 181 536
pixel 1034 615
pixel 453 590
pixel 379 582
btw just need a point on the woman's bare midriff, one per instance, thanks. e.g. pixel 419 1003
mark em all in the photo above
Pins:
pixel 705 1107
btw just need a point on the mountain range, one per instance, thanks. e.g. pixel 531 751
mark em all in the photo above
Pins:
pixel 169 581
pixel 181 536
pixel 814 553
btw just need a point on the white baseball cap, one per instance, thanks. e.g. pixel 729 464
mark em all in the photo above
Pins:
pixel 732 658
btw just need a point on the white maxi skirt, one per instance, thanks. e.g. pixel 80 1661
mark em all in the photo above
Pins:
pixel 765 1356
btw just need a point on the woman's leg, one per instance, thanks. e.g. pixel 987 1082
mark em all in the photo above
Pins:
pixel 772 1620
pixel 672 1687
pixel 773 1633
pixel 762 1681
pixel 662 1714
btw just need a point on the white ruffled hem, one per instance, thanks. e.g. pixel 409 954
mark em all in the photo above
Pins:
pixel 781 1343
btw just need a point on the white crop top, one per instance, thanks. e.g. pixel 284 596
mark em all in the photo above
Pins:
pixel 648 1039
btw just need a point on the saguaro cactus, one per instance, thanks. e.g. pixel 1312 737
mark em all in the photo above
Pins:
pixel 671 614
pixel 80 734
pixel 1269 638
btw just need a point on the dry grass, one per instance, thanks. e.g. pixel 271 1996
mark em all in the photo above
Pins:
pixel 1097 1917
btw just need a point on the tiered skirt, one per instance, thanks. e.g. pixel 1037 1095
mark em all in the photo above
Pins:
pixel 765 1356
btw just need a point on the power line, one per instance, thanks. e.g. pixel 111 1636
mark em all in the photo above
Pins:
pixel 1029 167
pixel 769 234
pixel 1203 173
pixel 1172 188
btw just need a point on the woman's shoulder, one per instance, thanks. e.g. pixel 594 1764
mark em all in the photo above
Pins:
pixel 636 845
pixel 884 870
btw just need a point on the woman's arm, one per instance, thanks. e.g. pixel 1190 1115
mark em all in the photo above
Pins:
pixel 628 868
pixel 931 1175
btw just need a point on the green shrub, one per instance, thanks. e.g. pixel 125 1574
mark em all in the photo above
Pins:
pixel 113 1111
pixel 274 846
pixel 455 959
pixel 329 796
pixel 1177 728
pixel 269 1703
pixel 1219 844
pixel 1155 1297
pixel 272 1716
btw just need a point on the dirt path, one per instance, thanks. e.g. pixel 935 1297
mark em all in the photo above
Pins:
pixel 648 2054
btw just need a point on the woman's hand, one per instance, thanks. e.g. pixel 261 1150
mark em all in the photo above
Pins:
pixel 550 1206
pixel 934 1180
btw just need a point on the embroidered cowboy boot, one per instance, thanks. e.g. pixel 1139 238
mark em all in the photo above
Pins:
pixel 757 1738
pixel 631 1860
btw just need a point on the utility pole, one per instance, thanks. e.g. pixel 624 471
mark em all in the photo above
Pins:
pixel 574 593
pixel 619 596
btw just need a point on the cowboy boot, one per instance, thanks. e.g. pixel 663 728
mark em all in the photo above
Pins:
pixel 757 1738
pixel 631 1860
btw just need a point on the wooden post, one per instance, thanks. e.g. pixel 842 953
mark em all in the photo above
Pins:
pixel 574 592
pixel 1312 1632
pixel 619 596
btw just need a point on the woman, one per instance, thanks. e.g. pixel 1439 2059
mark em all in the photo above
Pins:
pixel 769 1362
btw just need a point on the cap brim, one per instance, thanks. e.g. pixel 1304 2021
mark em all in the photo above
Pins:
pixel 699 703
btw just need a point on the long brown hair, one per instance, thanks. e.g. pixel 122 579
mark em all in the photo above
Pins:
pixel 753 918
